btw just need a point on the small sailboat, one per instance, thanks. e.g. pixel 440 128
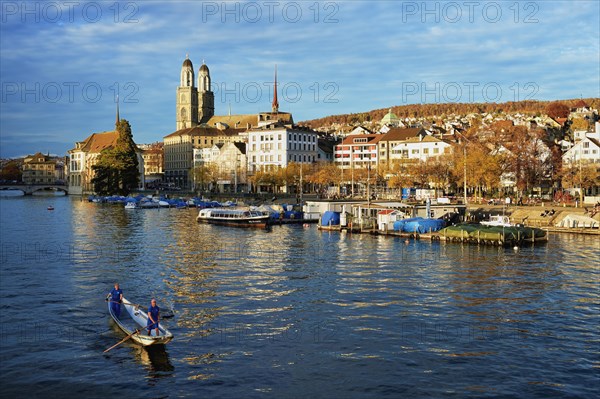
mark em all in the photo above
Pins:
pixel 50 208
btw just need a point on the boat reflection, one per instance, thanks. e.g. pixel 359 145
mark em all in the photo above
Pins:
pixel 155 359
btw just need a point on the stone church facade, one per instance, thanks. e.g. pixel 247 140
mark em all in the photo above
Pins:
pixel 195 105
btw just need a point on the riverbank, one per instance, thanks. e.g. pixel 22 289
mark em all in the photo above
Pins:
pixel 544 217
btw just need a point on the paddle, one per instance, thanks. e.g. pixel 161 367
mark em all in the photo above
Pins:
pixel 137 331
pixel 123 340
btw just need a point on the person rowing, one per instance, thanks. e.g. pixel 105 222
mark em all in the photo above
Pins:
pixel 153 316
pixel 116 298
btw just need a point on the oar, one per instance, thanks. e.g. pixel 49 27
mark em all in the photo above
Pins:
pixel 123 340
pixel 137 331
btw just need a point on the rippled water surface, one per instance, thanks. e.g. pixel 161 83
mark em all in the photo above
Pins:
pixel 293 312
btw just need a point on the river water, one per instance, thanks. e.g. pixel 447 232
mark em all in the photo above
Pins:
pixel 291 312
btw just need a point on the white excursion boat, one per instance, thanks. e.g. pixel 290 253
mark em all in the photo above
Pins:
pixel 137 321
pixel 233 217
pixel 132 205
pixel 498 220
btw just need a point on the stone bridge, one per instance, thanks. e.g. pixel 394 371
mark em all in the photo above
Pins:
pixel 29 189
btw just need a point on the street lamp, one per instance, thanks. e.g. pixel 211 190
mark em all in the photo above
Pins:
pixel 464 168
pixel 465 173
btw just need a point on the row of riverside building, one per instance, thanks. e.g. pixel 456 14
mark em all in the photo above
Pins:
pixel 240 145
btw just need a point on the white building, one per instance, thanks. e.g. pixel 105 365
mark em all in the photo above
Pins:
pixel 276 145
pixel 420 148
pixel 587 150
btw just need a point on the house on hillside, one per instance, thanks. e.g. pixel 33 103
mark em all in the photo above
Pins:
pixel 394 137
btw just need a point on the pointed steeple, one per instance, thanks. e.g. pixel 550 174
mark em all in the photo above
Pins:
pixel 117 122
pixel 275 105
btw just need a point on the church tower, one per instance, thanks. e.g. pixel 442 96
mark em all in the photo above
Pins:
pixel 275 104
pixel 206 106
pixel 187 97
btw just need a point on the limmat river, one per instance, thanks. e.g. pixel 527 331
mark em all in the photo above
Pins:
pixel 288 313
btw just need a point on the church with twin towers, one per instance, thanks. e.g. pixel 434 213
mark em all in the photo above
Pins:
pixel 195 105
pixel 246 142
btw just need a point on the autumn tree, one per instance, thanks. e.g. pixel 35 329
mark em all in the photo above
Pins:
pixel 579 124
pixel 399 175
pixel 325 174
pixel 528 158
pixel 11 171
pixel 116 170
pixel 206 176
pixel 583 176
pixel 557 109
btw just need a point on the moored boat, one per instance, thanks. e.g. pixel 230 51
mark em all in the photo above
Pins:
pixel 493 234
pixel 137 321
pixel 233 217
pixel 330 221
pixel 131 205
pixel 498 220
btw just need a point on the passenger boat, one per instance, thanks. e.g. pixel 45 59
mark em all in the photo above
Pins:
pixel 137 321
pixel 233 217
pixel 131 205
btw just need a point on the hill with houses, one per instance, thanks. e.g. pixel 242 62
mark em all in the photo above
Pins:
pixel 555 113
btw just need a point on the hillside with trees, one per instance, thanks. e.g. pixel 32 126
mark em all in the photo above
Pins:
pixel 531 107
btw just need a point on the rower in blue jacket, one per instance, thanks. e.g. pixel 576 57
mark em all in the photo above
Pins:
pixel 116 298
pixel 153 315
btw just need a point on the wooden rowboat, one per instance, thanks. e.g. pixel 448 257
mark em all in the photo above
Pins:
pixel 136 319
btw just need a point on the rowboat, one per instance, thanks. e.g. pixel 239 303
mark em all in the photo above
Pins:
pixel 137 322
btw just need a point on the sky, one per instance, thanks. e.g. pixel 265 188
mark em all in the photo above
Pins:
pixel 63 63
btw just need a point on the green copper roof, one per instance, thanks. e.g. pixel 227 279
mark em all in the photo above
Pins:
pixel 389 117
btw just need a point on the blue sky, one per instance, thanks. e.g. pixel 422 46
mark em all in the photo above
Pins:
pixel 62 63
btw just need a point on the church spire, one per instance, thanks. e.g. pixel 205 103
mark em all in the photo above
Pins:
pixel 117 122
pixel 275 105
